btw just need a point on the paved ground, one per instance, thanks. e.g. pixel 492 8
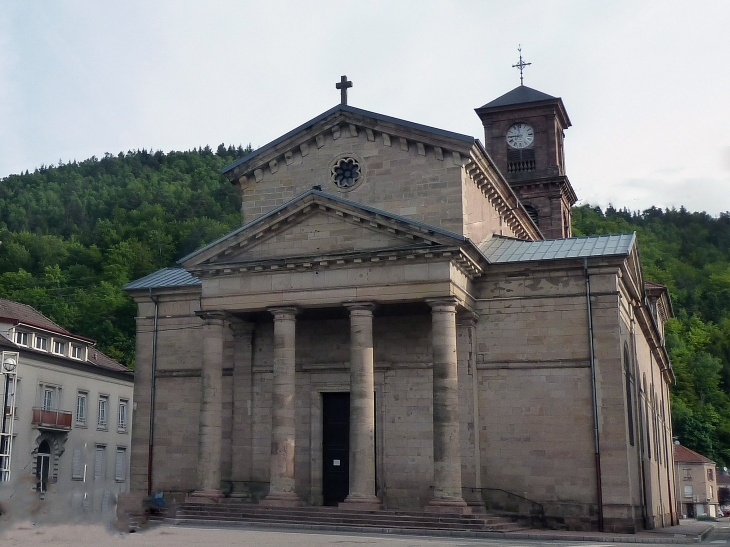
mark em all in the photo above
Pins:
pixel 27 535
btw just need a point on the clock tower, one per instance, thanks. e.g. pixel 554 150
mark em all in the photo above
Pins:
pixel 523 133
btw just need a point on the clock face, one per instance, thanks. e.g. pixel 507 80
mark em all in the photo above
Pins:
pixel 520 135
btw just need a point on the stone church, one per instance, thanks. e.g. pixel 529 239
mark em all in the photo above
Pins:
pixel 404 321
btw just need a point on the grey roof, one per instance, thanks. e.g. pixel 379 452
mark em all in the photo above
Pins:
pixel 502 250
pixel 353 110
pixel 27 314
pixel 167 277
pixel 324 195
pixel 518 95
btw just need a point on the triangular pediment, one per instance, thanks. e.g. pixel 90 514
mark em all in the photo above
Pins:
pixel 318 225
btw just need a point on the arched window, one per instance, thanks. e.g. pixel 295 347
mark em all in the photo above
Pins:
pixel 43 466
pixel 629 402
pixel 532 212
pixel 647 414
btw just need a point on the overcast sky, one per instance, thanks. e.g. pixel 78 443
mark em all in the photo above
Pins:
pixel 646 84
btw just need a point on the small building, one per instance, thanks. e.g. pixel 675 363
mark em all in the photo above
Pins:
pixel 696 480
pixel 66 427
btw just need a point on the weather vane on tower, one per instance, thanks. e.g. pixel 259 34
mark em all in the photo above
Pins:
pixel 521 64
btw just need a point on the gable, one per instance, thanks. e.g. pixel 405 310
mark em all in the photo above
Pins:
pixel 319 224
pixel 318 233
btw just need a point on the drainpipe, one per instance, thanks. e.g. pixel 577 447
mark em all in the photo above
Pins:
pixel 154 299
pixel 656 434
pixel 594 397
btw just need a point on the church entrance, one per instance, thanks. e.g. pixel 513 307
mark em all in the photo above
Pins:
pixel 335 447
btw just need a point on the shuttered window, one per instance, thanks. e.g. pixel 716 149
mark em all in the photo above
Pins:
pixel 106 498
pixel 77 472
pixel 120 473
pixel 99 462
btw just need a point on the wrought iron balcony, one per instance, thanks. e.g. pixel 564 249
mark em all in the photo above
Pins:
pixel 51 419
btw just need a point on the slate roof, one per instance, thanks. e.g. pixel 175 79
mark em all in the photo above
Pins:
pixel 520 94
pixel 685 455
pixel 332 197
pixel 502 250
pixel 167 277
pixel 353 110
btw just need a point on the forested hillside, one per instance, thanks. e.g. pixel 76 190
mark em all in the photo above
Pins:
pixel 690 253
pixel 72 235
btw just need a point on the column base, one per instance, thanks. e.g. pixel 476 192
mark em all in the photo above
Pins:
pixel 281 499
pixel 361 503
pixel 205 496
pixel 448 505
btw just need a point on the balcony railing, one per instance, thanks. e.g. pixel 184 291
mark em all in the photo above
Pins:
pixel 51 419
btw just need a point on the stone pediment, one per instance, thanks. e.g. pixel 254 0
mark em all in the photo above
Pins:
pixel 341 121
pixel 315 226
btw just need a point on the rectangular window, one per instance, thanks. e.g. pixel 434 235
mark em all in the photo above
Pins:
pixel 710 475
pixel 712 492
pixel 48 399
pixel 99 467
pixel 41 343
pixel 688 491
pixel 81 407
pixel 120 471
pixel 21 338
pixel 101 418
pixel 77 469
pixel 687 473
pixel 122 415
pixel 77 352
pixel 59 348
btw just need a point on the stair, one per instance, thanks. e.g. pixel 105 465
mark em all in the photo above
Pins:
pixel 232 513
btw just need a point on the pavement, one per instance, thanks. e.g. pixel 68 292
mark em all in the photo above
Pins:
pixel 26 534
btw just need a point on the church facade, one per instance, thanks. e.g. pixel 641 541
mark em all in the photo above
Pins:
pixel 404 321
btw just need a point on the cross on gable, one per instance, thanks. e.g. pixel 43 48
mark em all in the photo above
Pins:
pixel 342 85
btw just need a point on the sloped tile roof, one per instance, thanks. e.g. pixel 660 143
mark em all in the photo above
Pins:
pixel 27 314
pixel 167 277
pixel 502 250
pixel 685 455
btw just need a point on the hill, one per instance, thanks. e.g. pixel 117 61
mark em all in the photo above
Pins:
pixel 72 235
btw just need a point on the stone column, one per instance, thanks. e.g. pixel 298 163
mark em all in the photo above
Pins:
pixel 283 425
pixel 211 408
pixel 446 442
pixel 362 410
pixel 241 441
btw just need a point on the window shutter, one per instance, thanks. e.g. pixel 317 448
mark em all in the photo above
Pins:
pixel 105 501
pixel 120 473
pixel 99 463
pixel 78 471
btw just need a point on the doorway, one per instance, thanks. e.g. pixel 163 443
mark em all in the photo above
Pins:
pixel 335 447
pixel 43 466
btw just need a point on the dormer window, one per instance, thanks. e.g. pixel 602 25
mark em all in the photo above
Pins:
pixel 41 343
pixel 59 347
pixel 21 338
pixel 77 352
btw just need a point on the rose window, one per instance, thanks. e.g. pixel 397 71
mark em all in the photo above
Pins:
pixel 346 173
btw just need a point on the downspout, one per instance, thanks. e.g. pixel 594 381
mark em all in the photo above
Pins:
pixel 152 394
pixel 656 433
pixel 594 397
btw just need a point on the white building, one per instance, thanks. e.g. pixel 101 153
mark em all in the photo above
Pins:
pixel 66 429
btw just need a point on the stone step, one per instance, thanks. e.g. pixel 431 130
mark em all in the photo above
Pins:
pixel 232 513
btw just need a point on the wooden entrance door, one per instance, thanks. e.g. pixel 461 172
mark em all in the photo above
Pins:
pixel 335 447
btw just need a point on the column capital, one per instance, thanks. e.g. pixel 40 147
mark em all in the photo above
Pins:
pixel 443 304
pixel 242 329
pixel 360 308
pixel 283 313
pixel 212 317
pixel 466 318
